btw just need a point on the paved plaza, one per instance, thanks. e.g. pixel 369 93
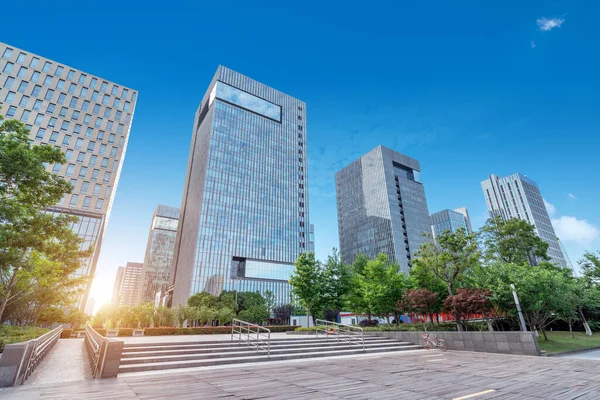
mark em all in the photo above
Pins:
pixel 408 375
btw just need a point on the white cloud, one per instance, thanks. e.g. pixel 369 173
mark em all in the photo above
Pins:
pixel 572 196
pixel 575 230
pixel 533 44
pixel 547 24
pixel 550 207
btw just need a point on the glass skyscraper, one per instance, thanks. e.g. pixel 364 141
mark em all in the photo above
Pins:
pixel 450 220
pixel 244 214
pixel 157 273
pixel 85 116
pixel 382 207
pixel 128 279
pixel 517 196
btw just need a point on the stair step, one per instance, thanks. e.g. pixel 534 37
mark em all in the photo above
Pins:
pixel 153 366
pixel 153 358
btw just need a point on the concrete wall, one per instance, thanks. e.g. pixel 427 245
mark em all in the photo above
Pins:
pixel 521 343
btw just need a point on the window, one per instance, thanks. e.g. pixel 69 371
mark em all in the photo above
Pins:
pixel 99 204
pixel 37 105
pixel 47 66
pixel 85 105
pixel 80 157
pixel 40 134
pixel 8 67
pixel 73 102
pixel 98 123
pixel 82 78
pixel 48 80
pixel 78 144
pixel 22 86
pixel 56 168
pixel 117 103
pixel 104 163
pixel 103 87
pixel 102 149
pixel 84 187
pixel 75 115
pixel 106 177
pixel 49 94
pixel 24 101
pixel 69 154
pixel 118 115
pixel 63 112
pixel 300 127
pixel 109 125
pixel 95 174
pixel 97 189
pixel 113 152
pixel 114 90
pixel 93 82
pixel 94 95
pixel 64 126
pixel 111 138
pixel 120 129
pixel 101 135
pixel 86 201
pixel 25 115
pixel 71 75
pixel 77 129
pixel 91 146
pixel 96 109
pixel 51 107
pixel 82 172
pixel 70 169
pixel 84 92
pixel 88 132
pixel 9 82
pixel 107 193
pixel 66 140
pixel 7 53
pixel 52 122
pixel 93 160
pixel 105 99
pixel 107 112
pixel 11 111
pixel 59 71
pixel 86 119
pixel 10 96
pixel 126 107
pixel 125 93
pixel 115 165
pixel 61 98
pixel 60 84
pixel 35 76
pixel 22 72
pixel 72 88
pixel 21 58
pixel 38 119
pixel 53 137
pixel 34 62
pixel 74 199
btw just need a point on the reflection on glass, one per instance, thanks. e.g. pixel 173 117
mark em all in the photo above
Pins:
pixel 245 100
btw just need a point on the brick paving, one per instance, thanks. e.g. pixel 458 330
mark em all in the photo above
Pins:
pixel 410 375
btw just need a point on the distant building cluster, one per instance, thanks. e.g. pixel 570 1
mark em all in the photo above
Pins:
pixel 244 215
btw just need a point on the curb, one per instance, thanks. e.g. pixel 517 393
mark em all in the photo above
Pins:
pixel 564 353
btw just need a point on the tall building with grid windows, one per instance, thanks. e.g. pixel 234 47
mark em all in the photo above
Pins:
pixel 85 116
pixel 157 273
pixel 130 284
pixel 244 213
pixel 381 207
pixel 517 196
pixel 450 220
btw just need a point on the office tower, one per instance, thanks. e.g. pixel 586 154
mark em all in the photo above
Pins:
pixel 130 285
pixel 244 214
pixel 157 272
pixel 517 196
pixel 311 238
pixel 89 307
pixel 465 213
pixel 381 207
pixel 450 220
pixel 117 285
pixel 88 118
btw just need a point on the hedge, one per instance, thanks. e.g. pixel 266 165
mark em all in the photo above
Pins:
pixel 206 330
pixel 66 333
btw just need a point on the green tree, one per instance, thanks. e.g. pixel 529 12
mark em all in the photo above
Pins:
pixel 590 266
pixel 51 315
pixel 164 316
pixel 206 315
pixel 227 299
pixel 247 300
pixel 269 297
pixel 225 315
pixel 33 242
pixel 76 318
pixel 202 299
pixel 512 241
pixel 307 283
pixel 183 314
pixel 145 314
pixel 337 282
pixel 255 314
pixel 128 317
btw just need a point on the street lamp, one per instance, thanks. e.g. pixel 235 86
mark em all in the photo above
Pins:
pixel 521 319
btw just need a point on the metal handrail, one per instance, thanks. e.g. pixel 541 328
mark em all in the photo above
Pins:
pixel 253 333
pixel 352 334
pixel 36 351
pixel 97 346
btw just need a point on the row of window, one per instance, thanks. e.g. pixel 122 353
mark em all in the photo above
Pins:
pixel 87 200
pixel 58 71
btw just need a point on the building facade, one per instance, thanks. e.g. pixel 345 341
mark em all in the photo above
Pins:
pixel 157 273
pixel 517 196
pixel 382 207
pixel 450 220
pixel 244 214
pixel 130 285
pixel 85 116
pixel 116 293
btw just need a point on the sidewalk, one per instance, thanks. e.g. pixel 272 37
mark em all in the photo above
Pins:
pixel 66 362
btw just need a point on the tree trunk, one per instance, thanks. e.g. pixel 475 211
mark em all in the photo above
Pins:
pixel 489 324
pixel 8 293
pixel 387 317
pixel 544 333
pixel 571 327
pixel 397 317
pixel 588 331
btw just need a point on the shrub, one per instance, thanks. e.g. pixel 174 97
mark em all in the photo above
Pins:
pixel 125 331
pixel 66 333
pixel 205 330
pixel 368 323
pixel 2 344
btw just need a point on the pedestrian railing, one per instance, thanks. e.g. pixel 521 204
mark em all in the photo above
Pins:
pixel 104 354
pixel 353 335
pixel 254 335
pixel 19 360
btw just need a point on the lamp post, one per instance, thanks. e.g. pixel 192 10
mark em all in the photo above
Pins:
pixel 521 319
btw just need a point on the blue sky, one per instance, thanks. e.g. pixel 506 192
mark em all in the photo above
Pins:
pixel 468 88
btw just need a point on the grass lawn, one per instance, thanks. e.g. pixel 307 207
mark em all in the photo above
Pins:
pixel 14 334
pixel 561 341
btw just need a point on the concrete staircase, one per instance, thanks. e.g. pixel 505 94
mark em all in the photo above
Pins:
pixel 138 357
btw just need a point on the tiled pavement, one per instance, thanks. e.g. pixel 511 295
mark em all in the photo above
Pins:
pixel 411 375
pixel 66 362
